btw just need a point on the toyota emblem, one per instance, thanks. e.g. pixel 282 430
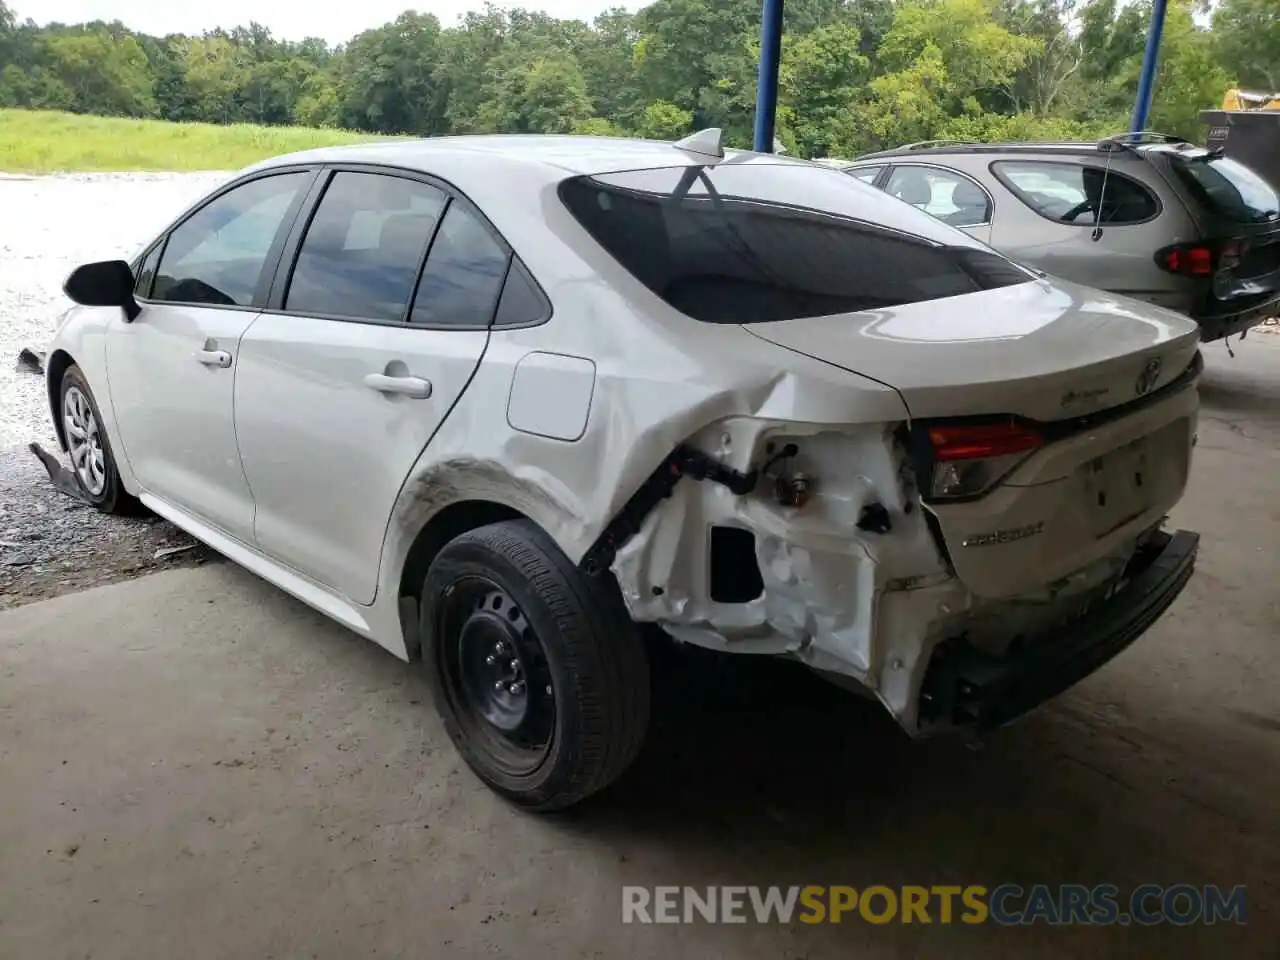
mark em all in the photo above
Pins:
pixel 1148 377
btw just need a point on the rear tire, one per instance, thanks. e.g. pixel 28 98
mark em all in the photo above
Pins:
pixel 538 674
pixel 92 463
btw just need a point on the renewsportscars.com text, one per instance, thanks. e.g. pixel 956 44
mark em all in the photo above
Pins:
pixel 1007 904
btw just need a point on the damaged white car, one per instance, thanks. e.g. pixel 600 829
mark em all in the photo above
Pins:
pixel 494 401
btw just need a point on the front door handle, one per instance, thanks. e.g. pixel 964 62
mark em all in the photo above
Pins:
pixel 415 387
pixel 214 358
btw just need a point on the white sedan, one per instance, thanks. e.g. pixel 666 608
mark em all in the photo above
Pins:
pixel 493 402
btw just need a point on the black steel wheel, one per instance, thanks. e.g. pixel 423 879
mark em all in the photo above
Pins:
pixel 538 674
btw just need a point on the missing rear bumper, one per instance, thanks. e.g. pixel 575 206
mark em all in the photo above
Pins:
pixel 969 689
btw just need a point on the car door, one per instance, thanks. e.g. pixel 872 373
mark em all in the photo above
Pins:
pixel 362 354
pixel 172 369
pixel 1053 223
pixel 952 197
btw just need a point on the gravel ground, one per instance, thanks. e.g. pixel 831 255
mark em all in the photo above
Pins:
pixel 49 543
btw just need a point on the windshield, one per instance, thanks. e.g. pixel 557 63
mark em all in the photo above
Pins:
pixel 755 242
pixel 1228 188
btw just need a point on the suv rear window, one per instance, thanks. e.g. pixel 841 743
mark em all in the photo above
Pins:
pixel 753 243
pixel 1227 188
pixel 1072 192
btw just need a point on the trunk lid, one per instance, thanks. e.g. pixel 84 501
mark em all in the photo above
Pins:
pixel 1041 350
pixel 1066 517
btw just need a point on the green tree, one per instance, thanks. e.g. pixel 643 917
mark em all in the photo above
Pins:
pixel 388 78
pixel 1246 40
pixel 548 95
pixel 825 74
pixel 665 121
pixel 105 76
pixel 1187 79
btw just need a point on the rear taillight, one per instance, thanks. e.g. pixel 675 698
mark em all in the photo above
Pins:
pixel 1201 259
pixel 970 459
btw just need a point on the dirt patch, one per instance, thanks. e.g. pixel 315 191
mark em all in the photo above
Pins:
pixel 51 544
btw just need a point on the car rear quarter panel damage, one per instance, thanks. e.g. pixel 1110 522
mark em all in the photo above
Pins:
pixel 841 598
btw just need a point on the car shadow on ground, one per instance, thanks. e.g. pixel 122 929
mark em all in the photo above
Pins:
pixel 759 772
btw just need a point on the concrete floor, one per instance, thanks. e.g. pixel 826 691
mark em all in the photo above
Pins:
pixel 194 765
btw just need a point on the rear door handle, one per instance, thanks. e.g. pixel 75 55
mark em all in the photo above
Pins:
pixel 414 387
pixel 214 358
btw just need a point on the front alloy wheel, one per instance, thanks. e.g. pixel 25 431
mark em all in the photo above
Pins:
pixel 84 441
pixel 88 447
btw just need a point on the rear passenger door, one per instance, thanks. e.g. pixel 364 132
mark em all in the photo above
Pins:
pixel 1053 219
pixel 368 342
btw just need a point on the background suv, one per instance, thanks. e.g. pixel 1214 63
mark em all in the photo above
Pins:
pixel 1154 218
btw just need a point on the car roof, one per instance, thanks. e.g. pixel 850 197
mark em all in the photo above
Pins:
pixel 1117 146
pixel 541 156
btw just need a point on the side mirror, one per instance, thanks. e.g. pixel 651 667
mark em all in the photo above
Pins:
pixel 108 283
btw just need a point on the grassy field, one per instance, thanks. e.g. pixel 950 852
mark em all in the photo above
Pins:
pixel 34 141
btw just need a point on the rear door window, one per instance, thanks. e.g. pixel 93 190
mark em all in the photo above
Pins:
pixel 218 254
pixel 950 197
pixel 1072 193
pixel 363 248
pixel 743 244
pixel 1227 188
pixel 865 174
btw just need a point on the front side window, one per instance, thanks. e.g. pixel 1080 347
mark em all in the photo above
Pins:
pixel 948 196
pixel 463 275
pixel 218 254
pixel 147 272
pixel 362 250
pixel 757 243
pixel 1073 193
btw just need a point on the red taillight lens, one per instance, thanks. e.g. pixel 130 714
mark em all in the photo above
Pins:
pixel 1188 260
pixel 970 460
pixel 1201 259
pixel 978 442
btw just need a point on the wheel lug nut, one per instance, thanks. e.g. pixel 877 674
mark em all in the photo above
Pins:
pixel 516 688
pixel 498 685
pixel 491 659
pixel 515 665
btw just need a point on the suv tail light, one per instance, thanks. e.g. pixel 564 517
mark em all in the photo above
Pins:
pixel 970 459
pixel 1201 259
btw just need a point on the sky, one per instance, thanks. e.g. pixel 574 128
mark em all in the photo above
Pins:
pixel 335 20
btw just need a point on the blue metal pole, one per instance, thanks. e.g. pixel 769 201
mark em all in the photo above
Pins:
pixel 767 84
pixel 1146 82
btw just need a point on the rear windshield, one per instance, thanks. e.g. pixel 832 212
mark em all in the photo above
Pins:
pixel 751 243
pixel 1228 188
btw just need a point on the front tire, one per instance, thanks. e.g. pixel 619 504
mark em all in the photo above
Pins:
pixel 538 674
pixel 92 462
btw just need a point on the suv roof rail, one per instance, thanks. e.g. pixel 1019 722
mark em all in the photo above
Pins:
pixel 924 144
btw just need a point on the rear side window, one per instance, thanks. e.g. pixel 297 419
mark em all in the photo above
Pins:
pixel 463 276
pixel 729 244
pixel 361 254
pixel 1228 188
pixel 865 174
pixel 218 254
pixel 1072 193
